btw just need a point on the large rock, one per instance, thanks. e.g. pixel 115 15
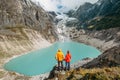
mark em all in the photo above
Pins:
pixel 109 58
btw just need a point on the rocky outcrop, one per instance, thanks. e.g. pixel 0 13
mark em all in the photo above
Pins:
pixel 106 35
pixel 109 58
pixel 70 22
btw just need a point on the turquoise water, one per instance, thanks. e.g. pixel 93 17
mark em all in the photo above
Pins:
pixel 43 60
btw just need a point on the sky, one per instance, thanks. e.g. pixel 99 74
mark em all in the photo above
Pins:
pixel 62 5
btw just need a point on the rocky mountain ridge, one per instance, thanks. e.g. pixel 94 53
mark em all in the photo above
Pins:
pixel 103 14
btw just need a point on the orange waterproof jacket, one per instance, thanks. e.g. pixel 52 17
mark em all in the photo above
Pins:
pixel 68 57
pixel 59 55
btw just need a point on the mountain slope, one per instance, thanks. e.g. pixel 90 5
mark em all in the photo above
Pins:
pixel 22 20
pixel 24 27
pixel 103 14
pixel 26 13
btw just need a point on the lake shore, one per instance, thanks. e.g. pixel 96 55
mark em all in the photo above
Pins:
pixel 83 38
pixel 73 66
pixel 14 75
pixel 6 75
pixel 98 39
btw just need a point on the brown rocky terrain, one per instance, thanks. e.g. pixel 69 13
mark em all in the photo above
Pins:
pixel 103 39
pixel 106 73
pixel 107 41
pixel 24 27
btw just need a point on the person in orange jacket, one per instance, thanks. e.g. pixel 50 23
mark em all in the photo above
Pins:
pixel 60 57
pixel 67 60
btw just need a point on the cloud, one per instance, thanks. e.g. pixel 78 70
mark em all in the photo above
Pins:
pixel 48 4
pixel 72 4
pixel 62 5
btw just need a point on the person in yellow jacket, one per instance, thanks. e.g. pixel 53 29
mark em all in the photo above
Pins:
pixel 60 57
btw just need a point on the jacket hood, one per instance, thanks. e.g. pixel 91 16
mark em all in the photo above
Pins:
pixel 59 50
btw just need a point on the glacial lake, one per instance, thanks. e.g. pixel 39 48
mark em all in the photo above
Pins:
pixel 43 60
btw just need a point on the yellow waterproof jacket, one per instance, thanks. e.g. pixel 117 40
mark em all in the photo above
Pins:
pixel 59 55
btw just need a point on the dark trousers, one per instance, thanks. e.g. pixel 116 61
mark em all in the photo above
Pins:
pixel 60 65
pixel 67 65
